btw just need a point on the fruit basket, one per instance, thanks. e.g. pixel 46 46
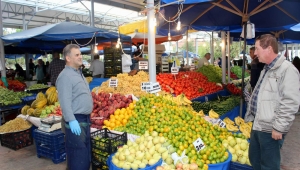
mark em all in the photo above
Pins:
pixel 17 140
pixel 107 141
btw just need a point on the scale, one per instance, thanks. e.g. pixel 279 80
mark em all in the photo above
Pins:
pixel 50 124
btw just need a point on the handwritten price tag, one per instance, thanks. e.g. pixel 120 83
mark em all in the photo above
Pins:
pixel 174 70
pixel 199 144
pixel 146 86
pixel 143 65
pixel 221 123
pixel 113 83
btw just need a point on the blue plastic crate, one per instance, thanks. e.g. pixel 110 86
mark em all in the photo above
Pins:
pixel 238 166
pixel 51 139
pixel 58 155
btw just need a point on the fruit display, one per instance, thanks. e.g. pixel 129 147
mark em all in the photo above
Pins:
pixel 213 73
pixel 238 125
pixel 179 166
pixel 238 72
pixel 180 100
pixel 37 86
pixel 180 126
pixel 146 151
pixel 9 97
pixel 126 84
pixel 41 102
pixel 233 89
pixel 221 106
pixel 213 114
pixel 51 110
pixel 105 104
pixel 191 84
pixel 239 148
pixel 16 85
pixel 15 125
pixel 232 75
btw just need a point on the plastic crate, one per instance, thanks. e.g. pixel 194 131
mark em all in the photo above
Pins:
pixel 110 75
pixel 17 140
pixel 57 155
pixel 99 166
pixel 107 141
pixel 99 155
pixel 238 166
pixel 51 139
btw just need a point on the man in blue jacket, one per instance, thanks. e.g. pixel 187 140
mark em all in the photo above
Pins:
pixel 77 104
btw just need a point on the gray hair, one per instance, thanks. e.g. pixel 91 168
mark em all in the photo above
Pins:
pixel 67 50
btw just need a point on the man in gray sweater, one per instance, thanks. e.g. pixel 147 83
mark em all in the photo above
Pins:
pixel 77 104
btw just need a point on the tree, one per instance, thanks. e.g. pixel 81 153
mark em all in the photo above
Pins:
pixel 191 47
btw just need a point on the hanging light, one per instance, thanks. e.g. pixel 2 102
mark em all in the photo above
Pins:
pixel 169 36
pixel 178 25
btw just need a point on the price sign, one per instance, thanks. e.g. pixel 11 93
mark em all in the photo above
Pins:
pixel 155 88
pixel 174 70
pixel 199 144
pixel 221 123
pixel 143 65
pixel 113 83
pixel 192 66
pixel 146 86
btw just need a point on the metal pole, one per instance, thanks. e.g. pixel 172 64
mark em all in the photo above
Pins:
pixel 24 24
pixel 2 54
pixel 187 47
pixel 243 69
pixel 92 13
pixel 151 41
pixel 228 52
pixel 196 45
pixel 212 49
pixel 223 57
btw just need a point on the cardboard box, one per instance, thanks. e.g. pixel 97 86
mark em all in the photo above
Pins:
pixel 159 48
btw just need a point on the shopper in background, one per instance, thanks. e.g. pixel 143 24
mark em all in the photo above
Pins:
pixel 204 60
pixel 39 71
pixel 256 68
pixel 19 71
pixel 76 102
pixel 97 67
pixel 31 67
pixel 55 67
pixel 138 56
pixel 272 105
pixel 296 63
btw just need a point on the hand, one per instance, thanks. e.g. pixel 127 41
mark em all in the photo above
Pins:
pixel 276 135
pixel 4 81
pixel 75 128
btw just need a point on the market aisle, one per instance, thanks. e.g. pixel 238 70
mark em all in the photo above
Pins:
pixel 290 151
pixel 26 159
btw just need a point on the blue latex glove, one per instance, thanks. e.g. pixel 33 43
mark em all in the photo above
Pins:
pixel 75 128
pixel 4 81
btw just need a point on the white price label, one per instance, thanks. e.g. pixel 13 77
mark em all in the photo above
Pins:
pixel 174 70
pixel 221 123
pixel 113 83
pixel 155 88
pixel 146 86
pixel 192 66
pixel 199 144
pixel 143 65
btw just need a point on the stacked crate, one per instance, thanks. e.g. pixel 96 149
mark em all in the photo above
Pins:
pixel 112 62
pixel 17 140
pixel 105 143
pixel 50 145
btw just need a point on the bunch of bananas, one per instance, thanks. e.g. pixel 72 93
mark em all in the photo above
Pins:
pixel 200 113
pixel 39 103
pixel 52 98
pixel 232 127
pixel 180 100
pixel 89 79
pixel 228 121
pixel 238 124
pixel 213 114
pixel 238 120
pixel 50 90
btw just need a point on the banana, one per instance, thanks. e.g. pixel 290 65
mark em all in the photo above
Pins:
pixel 201 113
pixel 213 114
pixel 186 100
pixel 228 121
pixel 24 110
pixel 238 120
pixel 232 128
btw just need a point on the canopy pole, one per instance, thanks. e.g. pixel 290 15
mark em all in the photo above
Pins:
pixel 243 69
pixel 187 47
pixel 212 49
pixel 2 60
pixel 228 55
pixel 223 57
pixel 27 65
pixel 92 13
pixel 151 41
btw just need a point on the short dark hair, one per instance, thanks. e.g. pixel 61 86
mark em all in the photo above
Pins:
pixel 96 56
pixel 68 48
pixel 267 40
pixel 252 49
pixel 138 53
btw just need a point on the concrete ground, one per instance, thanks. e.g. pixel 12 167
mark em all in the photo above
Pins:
pixel 26 159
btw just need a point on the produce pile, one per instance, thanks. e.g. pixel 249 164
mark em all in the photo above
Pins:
pixel 15 125
pixel 191 84
pixel 213 73
pixel 233 89
pixel 239 149
pixel 9 97
pixel 237 70
pixel 221 106
pixel 126 84
pixel 37 86
pixel 239 125
pixel 105 104
pixel 41 102
pixel 180 126
pixel 14 85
